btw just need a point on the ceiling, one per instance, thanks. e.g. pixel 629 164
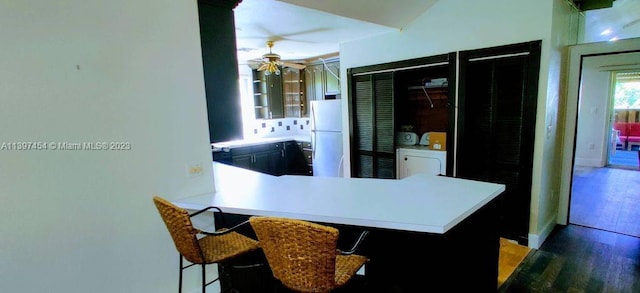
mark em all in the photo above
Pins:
pixel 306 29
pixel 302 29
pixel 622 20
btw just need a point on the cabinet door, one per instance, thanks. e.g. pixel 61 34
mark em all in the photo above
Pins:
pixel 277 162
pixel 267 95
pixel 294 98
pixel 332 82
pixel 309 84
pixel 294 158
pixel 318 81
pixel 261 162
pixel 243 161
pixel 372 117
pixel 276 103
pixel 223 157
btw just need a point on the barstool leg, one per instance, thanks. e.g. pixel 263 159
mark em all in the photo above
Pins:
pixel 204 280
pixel 180 277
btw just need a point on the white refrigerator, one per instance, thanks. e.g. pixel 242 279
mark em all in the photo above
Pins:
pixel 326 138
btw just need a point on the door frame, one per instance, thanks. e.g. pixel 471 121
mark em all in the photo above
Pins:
pixel 576 54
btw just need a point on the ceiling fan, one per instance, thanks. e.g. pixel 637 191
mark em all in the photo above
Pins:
pixel 271 62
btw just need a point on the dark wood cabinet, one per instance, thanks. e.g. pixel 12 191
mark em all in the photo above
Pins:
pixel 497 111
pixel 264 158
pixel 332 78
pixel 270 158
pixel 313 82
pixel 307 154
pixel 267 95
pixel 296 158
pixel 295 101
pixel 321 83
pixel 220 66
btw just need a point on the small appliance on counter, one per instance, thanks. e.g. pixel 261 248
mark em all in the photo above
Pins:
pixel 424 139
pixel 406 138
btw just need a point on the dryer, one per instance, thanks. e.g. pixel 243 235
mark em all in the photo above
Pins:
pixel 419 159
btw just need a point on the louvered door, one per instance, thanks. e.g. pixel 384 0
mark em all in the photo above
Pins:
pixel 496 134
pixel 373 153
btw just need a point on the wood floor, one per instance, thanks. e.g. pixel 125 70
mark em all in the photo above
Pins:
pixel 600 250
pixel 580 259
pixel 606 199
pixel 511 256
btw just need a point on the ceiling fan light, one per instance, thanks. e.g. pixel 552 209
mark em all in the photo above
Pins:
pixel 271 62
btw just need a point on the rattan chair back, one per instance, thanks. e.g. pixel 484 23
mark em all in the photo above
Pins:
pixel 301 255
pixel 181 229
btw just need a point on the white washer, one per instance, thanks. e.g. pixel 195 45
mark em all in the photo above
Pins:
pixel 419 159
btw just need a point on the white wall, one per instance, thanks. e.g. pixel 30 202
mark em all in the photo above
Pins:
pixel 446 27
pixel 87 71
pixel 592 117
pixel 564 31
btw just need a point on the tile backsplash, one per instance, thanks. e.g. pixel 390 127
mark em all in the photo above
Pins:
pixel 278 128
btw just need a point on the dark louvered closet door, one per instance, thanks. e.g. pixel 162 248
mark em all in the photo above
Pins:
pixel 373 126
pixel 496 136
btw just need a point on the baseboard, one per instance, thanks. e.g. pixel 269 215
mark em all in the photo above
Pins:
pixel 536 240
pixel 589 162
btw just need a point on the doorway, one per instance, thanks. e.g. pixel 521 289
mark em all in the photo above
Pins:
pixel 625 119
pixel 606 173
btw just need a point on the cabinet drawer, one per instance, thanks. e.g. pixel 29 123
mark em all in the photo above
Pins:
pixel 310 170
pixel 308 156
pixel 267 147
pixel 306 145
pixel 241 151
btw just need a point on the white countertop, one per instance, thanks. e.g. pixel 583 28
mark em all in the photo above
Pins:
pixel 422 203
pixel 256 141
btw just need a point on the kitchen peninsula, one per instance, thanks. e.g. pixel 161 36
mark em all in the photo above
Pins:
pixel 424 229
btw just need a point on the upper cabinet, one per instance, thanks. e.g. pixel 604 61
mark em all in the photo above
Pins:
pixel 323 80
pixel 295 102
pixel 332 78
pixel 289 93
pixel 267 95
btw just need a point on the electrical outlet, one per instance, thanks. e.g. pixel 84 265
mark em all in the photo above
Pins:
pixel 194 170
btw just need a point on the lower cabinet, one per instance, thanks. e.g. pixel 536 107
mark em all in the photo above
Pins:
pixel 295 158
pixel 282 158
pixel 307 152
pixel 265 158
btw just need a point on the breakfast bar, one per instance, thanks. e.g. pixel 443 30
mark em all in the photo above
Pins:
pixel 424 229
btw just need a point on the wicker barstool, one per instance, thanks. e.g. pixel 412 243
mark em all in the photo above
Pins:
pixel 303 256
pixel 201 247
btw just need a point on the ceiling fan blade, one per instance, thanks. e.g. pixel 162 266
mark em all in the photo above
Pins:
pixel 293 65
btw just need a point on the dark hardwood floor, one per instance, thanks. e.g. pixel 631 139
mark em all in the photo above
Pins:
pixel 599 251
pixel 580 259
